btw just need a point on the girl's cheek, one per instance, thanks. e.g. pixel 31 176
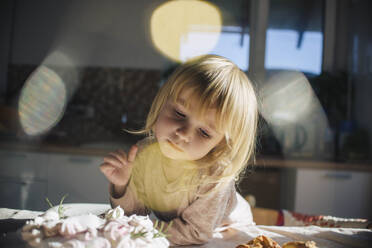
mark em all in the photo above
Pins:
pixel 165 124
pixel 171 122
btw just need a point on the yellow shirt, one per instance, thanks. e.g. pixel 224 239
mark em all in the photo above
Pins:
pixel 163 184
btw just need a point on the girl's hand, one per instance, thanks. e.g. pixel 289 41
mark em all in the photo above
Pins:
pixel 117 166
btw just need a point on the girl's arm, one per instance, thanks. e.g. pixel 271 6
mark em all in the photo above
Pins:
pixel 198 221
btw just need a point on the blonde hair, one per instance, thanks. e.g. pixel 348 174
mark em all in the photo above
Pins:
pixel 217 83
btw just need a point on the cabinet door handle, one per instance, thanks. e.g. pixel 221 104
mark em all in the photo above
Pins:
pixel 338 175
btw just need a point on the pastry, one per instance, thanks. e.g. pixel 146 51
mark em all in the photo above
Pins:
pixel 266 242
pixel 300 244
pixel 260 242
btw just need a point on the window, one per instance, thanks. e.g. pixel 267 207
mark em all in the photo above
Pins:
pixel 234 45
pixel 294 39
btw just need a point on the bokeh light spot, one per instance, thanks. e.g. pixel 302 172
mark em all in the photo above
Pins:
pixel 185 28
pixel 287 98
pixel 42 101
pixel 294 114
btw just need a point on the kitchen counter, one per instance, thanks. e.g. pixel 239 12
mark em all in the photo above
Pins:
pixel 102 149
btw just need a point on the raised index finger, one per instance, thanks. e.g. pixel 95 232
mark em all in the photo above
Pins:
pixel 132 153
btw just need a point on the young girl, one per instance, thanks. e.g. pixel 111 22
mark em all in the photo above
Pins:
pixel 201 132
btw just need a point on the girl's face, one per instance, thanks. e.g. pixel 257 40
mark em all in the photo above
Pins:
pixel 181 134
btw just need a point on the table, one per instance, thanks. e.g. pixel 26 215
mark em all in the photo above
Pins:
pixel 11 220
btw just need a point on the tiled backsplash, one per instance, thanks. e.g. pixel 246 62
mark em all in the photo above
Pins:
pixel 105 101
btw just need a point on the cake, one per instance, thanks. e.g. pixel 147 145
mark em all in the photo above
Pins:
pixel 111 229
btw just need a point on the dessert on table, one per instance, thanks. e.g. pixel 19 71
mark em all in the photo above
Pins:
pixel 111 229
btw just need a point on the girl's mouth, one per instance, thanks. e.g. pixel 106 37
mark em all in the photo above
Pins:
pixel 174 146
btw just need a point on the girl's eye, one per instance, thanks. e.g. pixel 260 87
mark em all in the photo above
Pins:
pixel 179 114
pixel 204 133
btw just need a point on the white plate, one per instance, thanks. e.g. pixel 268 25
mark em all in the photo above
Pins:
pixel 74 209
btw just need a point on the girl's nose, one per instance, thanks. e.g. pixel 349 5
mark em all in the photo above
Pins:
pixel 184 133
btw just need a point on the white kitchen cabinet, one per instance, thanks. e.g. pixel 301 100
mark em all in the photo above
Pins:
pixel 79 177
pixel 23 194
pixel 23 180
pixel 18 164
pixel 333 192
pixel 27 178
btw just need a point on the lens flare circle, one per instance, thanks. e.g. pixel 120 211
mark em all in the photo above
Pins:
pixel 185 28
pixel 42 101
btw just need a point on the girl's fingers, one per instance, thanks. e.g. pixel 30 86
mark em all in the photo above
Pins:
pixel 109 171
pixel 106 168
pixel 120 155
pixel 120 158
pixel 132 153
pixel 113 161
pixel 124 156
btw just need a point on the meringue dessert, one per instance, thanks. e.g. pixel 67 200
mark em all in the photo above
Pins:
pixel 113 229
